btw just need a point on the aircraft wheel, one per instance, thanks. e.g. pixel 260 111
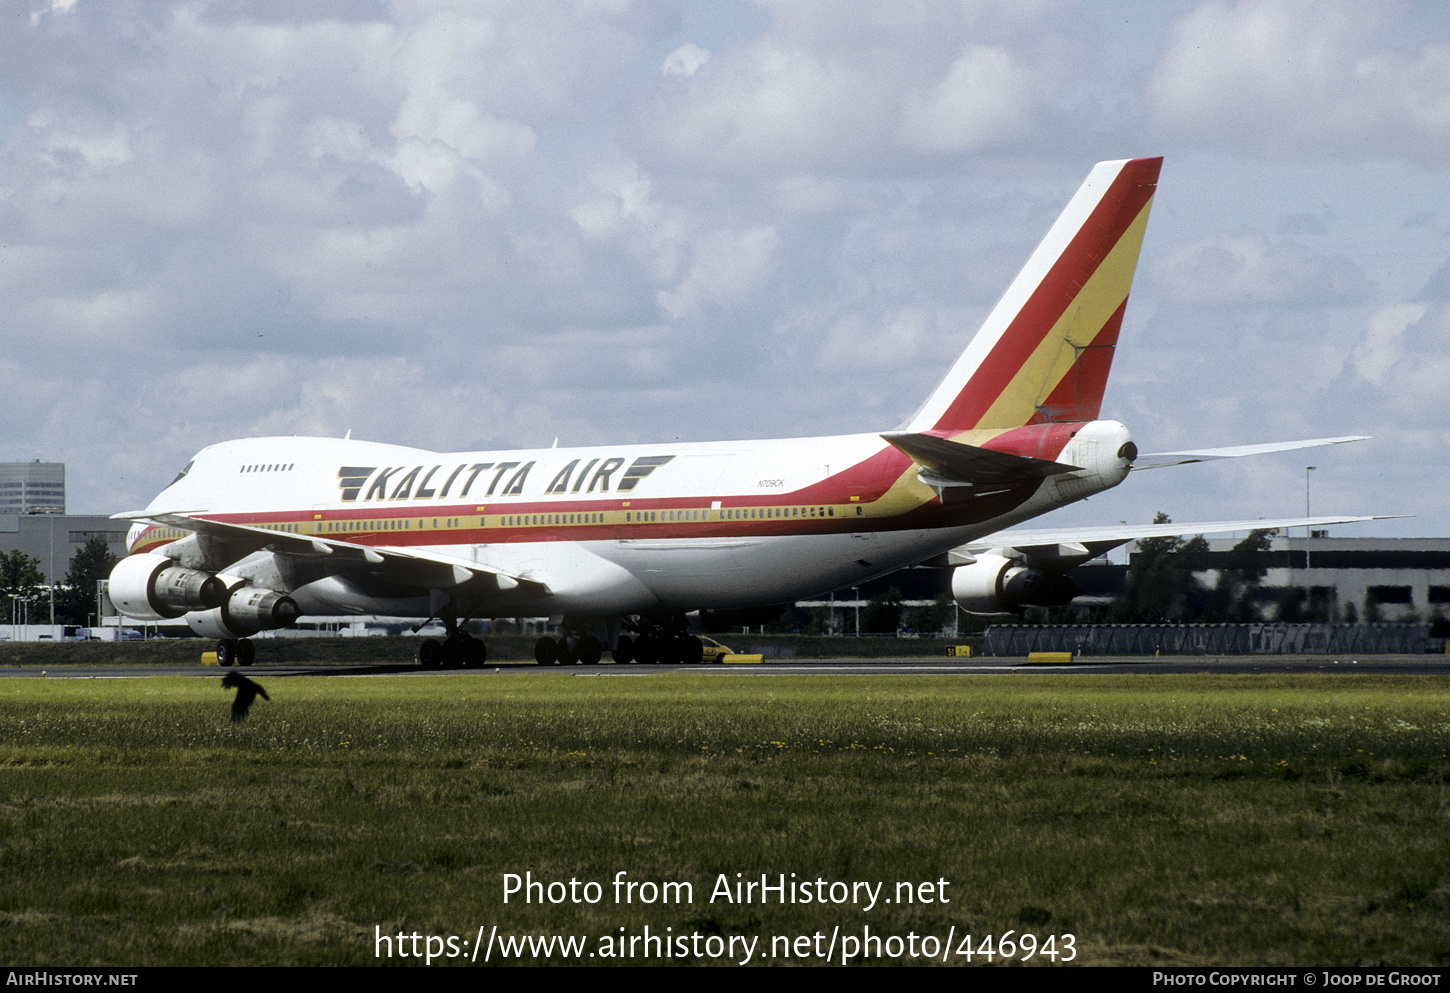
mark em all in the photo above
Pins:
pixel 646 651
pixel 430 655
pixel 568 650
pixel 475 653
pixel 680 649
pixel 624 650
pixel 246 652
pixel 545 651
pixel 452 654
pixel 691 650
pixel 590 651
pixel 226 653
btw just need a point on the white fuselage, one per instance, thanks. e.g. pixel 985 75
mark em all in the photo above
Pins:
pixel 603 531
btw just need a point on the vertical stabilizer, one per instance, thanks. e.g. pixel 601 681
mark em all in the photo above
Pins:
pixel 1043 354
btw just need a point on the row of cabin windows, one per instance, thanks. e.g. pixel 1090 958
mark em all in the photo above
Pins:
pixel 525 520
pixel 521 520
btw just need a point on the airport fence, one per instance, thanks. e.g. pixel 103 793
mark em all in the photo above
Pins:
pixel 1212 639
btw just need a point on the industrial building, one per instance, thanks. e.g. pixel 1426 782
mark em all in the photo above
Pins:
pixel 55 538
pixel 1351 580
pixel 1393 580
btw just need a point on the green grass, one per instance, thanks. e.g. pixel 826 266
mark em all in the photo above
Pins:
pixel 1166 820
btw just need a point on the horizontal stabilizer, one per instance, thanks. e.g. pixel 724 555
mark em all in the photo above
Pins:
pixel 1161 459
pixel 967 465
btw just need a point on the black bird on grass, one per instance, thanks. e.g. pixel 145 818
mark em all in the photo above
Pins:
pixel 247 691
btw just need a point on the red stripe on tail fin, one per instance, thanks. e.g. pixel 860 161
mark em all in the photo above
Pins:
pixel 1044 352
pixel 1079 395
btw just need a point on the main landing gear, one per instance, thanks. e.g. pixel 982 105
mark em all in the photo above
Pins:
pixel 570 649
pixel 237 651
pixel 658 640
pixel 458 650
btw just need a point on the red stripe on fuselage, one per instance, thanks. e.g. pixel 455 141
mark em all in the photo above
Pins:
pixel 855 487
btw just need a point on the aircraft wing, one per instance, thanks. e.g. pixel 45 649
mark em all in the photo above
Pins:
pixel 1074 542
pixel 1160 459
pixel 413 563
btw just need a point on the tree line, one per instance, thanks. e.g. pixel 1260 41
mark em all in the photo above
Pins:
pixel 1163 585
pixel 25 594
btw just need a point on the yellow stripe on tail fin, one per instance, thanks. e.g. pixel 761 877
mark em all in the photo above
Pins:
pixel 1044 352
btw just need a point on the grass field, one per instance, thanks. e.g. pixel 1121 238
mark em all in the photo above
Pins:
pixel 1159 820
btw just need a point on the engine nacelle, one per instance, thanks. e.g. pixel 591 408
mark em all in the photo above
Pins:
pixel 151 587
pixel 246 610
pixel 995 584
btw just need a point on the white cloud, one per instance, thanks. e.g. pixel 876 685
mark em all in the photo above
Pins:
pixel 1246 269
pixel 868 343
pixel 988 94
pixel 684 61
pixel 53 7
pixel 1303 76
pixel 1382 349
pixel 453 224
pixel 857 84
pixel 727 265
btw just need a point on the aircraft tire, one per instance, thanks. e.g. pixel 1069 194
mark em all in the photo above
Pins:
pixel 590 651
pixel 624 650
pixel 430 654
pixel 568 650
pixel 226 653
pixel 475 653
pixel 452 654
pixel 691 650
pixel 647 650
pixel 545 651
pixel 246 652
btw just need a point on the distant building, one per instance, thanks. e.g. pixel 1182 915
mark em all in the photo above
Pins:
pixel 1347 580
pixel 54 539
pixel 32 487
pixel 1396 579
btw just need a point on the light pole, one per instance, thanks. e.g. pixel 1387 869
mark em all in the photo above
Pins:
pixel 1307 533
pixel 50 579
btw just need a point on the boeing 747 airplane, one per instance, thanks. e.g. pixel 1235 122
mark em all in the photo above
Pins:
pixel 621 543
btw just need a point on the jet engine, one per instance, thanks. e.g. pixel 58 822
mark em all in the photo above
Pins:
pixel 996 584
pixel 151 587
pixel 245 611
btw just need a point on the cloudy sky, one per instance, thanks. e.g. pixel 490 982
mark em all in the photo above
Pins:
pixel 478 225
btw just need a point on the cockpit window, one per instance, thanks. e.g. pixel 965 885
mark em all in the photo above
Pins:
pixel 182 473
